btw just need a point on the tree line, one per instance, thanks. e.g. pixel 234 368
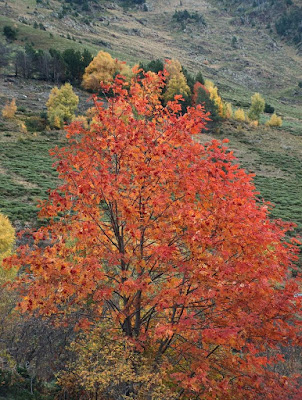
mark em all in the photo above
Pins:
pixel 52 65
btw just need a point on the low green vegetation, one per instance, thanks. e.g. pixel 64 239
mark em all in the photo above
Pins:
pixel 25 177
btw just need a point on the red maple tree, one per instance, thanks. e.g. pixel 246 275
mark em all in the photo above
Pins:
pixel 164 238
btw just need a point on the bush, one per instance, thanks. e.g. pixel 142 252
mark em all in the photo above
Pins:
pixel 35 124
pixel 269 109
pixel 239 115
pixel 257 107
pixel 274 121
pixel 61 105
pixel 10 33
pixel 7 237
pixel 228 110
pixel 186 16
pixel 9 110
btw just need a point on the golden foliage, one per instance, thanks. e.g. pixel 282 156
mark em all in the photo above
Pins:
pixel 228 110
pixel 254 123
pixel 61 105
pixel 176 81
pixel 176 85
pixel 82 120
pixel 9 110
pixel 257 107
pixel 173 67
pixel 106 365
pixel 7 241
pixel 103 68
pixel 274 120
pixel 7 237
pixel 7 298
pixel 213 90
pixel 239 115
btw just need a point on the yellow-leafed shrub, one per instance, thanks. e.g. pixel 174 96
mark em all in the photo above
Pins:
pixel 254 123
pixel 239 115
pixel 7 240
pixel 228 110
pixel 9 110
pixel 213 90
pixel 61 105
pixel 274 120
pixel 7 237
pixel 257 107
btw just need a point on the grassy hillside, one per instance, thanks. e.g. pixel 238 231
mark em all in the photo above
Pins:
pixel 240 58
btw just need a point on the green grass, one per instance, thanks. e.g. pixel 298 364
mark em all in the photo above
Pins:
pixel 42 39
pixel 31 163
pixel 283 191
pixel 286 194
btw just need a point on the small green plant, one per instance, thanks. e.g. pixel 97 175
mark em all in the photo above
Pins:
pixel 269 109
pixel 234 42
pixel 186 16
pixel 35 124
pixel 10 33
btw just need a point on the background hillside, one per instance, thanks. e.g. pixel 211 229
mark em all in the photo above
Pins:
pixel 233 43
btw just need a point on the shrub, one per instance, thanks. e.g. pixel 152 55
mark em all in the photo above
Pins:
pixel 35 124
pixel 10 33
pixel 214 95
pixel 257 107
pixel 269 109
pixel 228 110
pixel 61 105
pixel 7 237
pixel 274 120
pixel 186 16
pixel 239 115
pixel 9 110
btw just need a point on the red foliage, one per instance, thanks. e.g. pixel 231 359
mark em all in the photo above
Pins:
pixel 196 88
pixel 165 238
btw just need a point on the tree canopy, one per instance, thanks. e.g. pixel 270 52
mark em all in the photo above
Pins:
pixel 159 242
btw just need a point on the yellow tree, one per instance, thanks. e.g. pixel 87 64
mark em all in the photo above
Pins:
pixel 9 110
pixel 177 85
pixel 173 67
pixel 213 90
pixel 61 105
pixel 103 68
pixel 176 81
pixel 257 107
pixel 239 115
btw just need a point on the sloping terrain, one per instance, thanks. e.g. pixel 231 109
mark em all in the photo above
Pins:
pixel 240 58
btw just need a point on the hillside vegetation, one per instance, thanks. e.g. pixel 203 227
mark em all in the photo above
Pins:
pixel 240 56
